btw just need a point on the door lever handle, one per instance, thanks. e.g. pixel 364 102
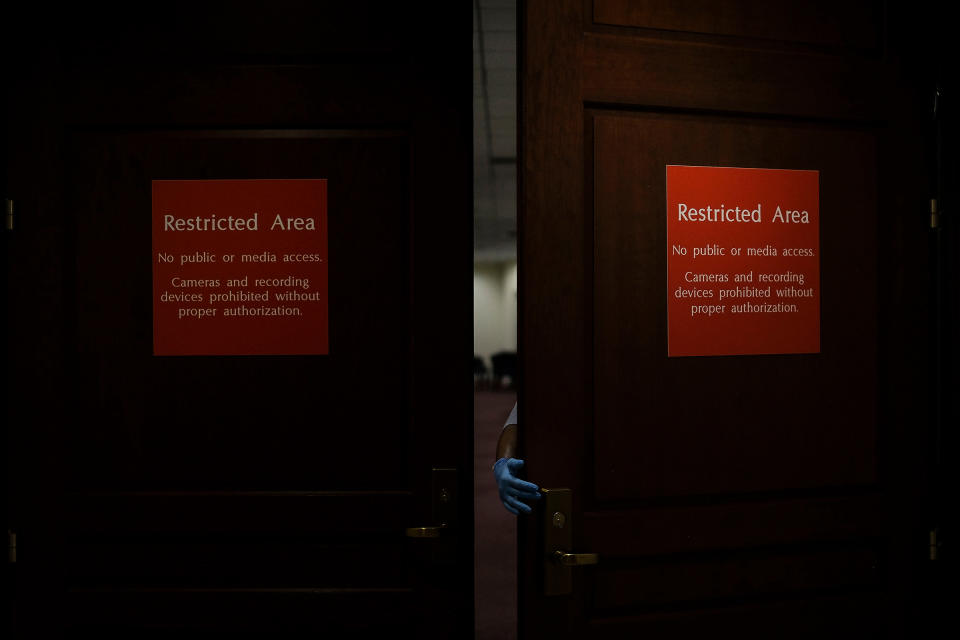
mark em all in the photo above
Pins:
pixel 443 483
pixel 575 559
pixel 557 540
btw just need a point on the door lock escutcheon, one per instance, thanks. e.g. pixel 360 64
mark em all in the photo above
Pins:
pixel 558 540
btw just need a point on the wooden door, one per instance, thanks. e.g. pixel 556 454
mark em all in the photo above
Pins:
pixel 264 496
pixel 747 496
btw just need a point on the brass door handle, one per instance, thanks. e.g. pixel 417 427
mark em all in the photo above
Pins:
pixel 575 559
pixel 425 532
pixel 557 540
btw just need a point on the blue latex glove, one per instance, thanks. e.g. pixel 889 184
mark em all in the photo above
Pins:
pixel 513 490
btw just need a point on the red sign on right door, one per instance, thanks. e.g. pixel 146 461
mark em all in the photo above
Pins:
pixel 743 261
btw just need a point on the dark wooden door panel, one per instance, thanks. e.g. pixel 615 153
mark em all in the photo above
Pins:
pixel 794 619
pixel 732 424
pixel 619 69
pixel 701 580
pixel 697 526
pixel 732 496
pixel 262 496
pixel 239 423
pixel 850 25
pixel 242 560
pixel 257 613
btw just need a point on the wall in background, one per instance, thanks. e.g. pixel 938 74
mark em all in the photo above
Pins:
pixel 494 308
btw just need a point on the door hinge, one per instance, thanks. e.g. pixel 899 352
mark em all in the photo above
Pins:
pixel 11 546
pixel 934 543
pixel 934 214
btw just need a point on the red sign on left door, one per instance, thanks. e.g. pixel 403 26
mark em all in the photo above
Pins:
pixel 240 267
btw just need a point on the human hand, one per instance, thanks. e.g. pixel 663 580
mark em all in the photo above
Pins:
pixel 513 490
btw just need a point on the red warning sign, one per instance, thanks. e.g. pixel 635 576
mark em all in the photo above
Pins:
pixel 240 267
pixel 743 261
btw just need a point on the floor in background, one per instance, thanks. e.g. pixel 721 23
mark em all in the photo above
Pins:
pixel 495 555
